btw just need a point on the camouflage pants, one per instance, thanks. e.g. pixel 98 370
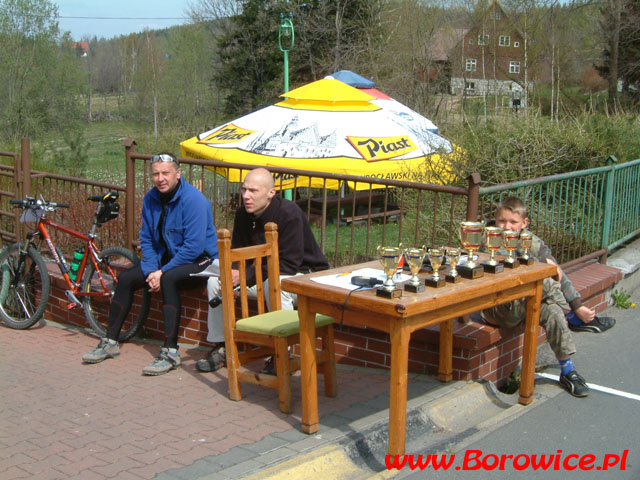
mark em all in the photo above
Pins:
pixel 552 317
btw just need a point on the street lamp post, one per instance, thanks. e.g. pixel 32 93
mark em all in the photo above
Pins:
pixel 285 41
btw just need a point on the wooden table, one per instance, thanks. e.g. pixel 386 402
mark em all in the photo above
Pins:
pixel 401 316
pixel 355 199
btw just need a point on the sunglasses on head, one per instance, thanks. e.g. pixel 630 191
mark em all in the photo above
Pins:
pixel 163 157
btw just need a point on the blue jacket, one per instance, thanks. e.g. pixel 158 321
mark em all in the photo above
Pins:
pixel 188 230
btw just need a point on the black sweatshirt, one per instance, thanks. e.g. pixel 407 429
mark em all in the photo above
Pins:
pixel 299 252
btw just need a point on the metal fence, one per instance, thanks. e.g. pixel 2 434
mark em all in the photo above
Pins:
pixel 580 215
pixel 349 222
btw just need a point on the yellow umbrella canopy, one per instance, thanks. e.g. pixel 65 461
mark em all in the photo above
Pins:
pixel 328 126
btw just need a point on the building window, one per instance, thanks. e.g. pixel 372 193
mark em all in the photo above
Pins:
pixel 516 44
pixel 495 16
pixel 505 40
pixel 483 39
pixel 470 41
pixel 514 67
pixel 471 64
pixel 469 85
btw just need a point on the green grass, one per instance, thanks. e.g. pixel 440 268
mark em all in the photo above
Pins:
pixel 353 245
pixel 104 159
pixel 621 299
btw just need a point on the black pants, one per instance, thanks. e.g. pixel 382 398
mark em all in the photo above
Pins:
pixel 170 282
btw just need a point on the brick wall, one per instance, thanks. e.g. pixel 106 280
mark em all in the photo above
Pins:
pixel 479 351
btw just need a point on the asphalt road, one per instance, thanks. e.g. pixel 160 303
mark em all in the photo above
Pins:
pixel 601 429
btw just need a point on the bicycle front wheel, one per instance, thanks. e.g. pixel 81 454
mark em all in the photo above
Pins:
pixel 113 261
pixel 24 287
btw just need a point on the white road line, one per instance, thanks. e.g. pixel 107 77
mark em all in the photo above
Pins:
pixel 593 386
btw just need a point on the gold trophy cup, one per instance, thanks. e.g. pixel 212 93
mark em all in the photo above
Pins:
pixel 493 242
pixel 511 240
pixel 453 255
pixel 526 240
pixel 471 238
pixel 389 258
pixel 436 257
pixel 415 257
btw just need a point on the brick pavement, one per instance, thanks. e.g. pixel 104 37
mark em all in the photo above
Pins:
pixel 61 419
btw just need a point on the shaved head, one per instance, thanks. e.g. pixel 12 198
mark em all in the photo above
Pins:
pixel 257 190
pixel 261 176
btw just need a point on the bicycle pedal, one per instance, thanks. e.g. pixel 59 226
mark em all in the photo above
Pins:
pixel 73 300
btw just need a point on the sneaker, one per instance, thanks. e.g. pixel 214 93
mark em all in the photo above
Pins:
pixel 574 384
pixel 269 367
pixel 164 362
pixel 103 351
pixel 597 325
pixel 215 360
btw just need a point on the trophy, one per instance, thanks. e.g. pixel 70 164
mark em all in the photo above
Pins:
pixel 453 255
pixel 415 257
pixel 526 240
pixel 471 238
pixel 389 258
pixel 511 239
pixel 493 242
pixel 436 256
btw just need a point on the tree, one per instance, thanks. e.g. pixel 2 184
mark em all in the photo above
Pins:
pixel 329 35
pixel 629 59
pixel 339 35
pixel 621 33
pixel 105 65
pixel 41 76
pixel 188 95
pixel 148 75
pixel 417 36
pixel 247 60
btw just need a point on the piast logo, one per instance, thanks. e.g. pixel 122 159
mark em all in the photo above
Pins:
pixel 373 149
pixel 227 134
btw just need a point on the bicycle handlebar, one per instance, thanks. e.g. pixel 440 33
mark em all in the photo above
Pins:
pixel 31 202
pixel 108 197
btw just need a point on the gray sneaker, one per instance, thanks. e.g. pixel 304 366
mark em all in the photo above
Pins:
pixel 103 351
pixel 164 362
pixel 214 361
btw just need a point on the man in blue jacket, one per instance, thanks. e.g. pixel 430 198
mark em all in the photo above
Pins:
pixel 177 238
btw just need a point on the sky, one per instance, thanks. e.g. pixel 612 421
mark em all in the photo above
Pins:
pixel 110 18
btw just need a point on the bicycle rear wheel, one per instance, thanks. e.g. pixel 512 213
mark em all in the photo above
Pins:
pixel 113 261
pixel 24 289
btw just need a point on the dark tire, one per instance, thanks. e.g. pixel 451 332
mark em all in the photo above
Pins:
pixel 24 294
pixel 113 261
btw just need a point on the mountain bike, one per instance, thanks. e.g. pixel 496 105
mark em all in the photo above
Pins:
pixel 91 280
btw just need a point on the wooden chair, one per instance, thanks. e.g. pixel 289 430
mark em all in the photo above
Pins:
pixel 268 333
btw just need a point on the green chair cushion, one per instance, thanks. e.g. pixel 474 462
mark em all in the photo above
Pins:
pixel 280 323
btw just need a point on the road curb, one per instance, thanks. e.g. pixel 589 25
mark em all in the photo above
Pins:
pixel 442 419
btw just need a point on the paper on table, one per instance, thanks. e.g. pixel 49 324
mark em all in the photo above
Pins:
pixel 213 270
pixel 344 281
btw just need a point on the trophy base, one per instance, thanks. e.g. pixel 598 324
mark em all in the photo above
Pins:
pixel 381 292
pixel 430 282
pixel 526 261
pixel 497 268
pixel 409 287
pixel 510 264
pixel 470 272
pixel 451 279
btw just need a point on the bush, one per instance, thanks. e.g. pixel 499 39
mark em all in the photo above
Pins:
pixel 523 147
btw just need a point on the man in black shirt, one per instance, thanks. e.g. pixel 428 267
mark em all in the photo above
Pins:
pixel 298 250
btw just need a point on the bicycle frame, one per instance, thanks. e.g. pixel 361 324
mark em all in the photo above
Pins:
pixel 91 251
